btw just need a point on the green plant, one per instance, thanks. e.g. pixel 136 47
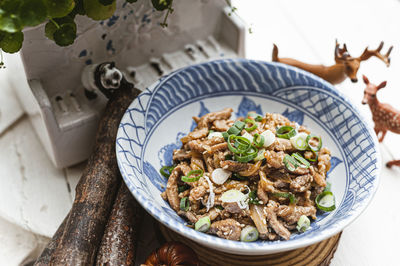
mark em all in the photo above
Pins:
pixel 15 15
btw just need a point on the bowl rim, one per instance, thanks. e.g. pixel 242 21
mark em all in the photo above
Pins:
pixel 255 248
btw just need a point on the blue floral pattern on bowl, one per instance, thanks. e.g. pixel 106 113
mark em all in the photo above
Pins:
pixel 154 123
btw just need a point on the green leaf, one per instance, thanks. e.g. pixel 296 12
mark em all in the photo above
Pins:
pixel 59 8
pixel 10 23
pixel 97 11
pixel 49 30
pixel 51 26
pixel 12 42
pixel 78 9
pixel 161 5
pixel 106 2
pixel 32 12
pixel 65 35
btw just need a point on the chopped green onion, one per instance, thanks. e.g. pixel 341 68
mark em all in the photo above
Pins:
pixel 286 195
pixel 269 138
pixel 184 204
pixel 249 234
pixel 232 195
pixel 286 132
pixel 258 140
pixel 252 114
pixel 310 139
pixel 219 207
pixel 234 131
pixel 259 118
pixel 299 141
pixel 303 223
pixel 236 176
pixel 168 168
pixel 328 186
pixel 197 174
pixel 248 156
pixel 325 201
pixel 290 162
pixel 301 160
pixel 228 157
pixel 253 125
pixel 183 188
pixel 315 158
pixel 225 135
pixel 260 155
pixel 253 199
pixel 242 144
pixel 211 131
pixel 239 125
pixel 215 135
pixel 203 224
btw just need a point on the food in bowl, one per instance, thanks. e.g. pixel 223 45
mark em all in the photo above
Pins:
pixel 256 177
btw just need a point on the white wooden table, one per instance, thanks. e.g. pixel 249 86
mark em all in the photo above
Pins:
pixel 35 196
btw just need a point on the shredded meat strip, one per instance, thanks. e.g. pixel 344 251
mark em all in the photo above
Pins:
pixel 172 185
pixel 291 214
pixel 301 183
pixel 228 229
pixel 273 221
pixel 206 120
pixel 274 159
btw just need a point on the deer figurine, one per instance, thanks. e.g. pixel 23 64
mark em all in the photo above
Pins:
pixel 345 66
pixel 384 115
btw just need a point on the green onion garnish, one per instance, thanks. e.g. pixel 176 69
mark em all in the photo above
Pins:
pixel 236 176
pixel 290 162
pixel 253 199
pixel 249 234
pixel 203 224
pixel 314 158
pixel 219 207
pixel 239 125
pixel 301 160
pixel 241 144
pixel 258 140
pixel 328 186
pixel 168 168
pixel 248 156
pixel 260 155
pixel 183 188
pixel 253 125
pixel 286 132
pixel 225 135
pixel 311 138
pixel 259 118
pixel 234 131
pixel 325 201
pixel 252 115
pixel 197 174
pixel 303 223
pixel 286 195
pixel 210 131
pixel 184 204
pixel 299 141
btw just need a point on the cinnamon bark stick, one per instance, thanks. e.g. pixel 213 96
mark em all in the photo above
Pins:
pixel 118 246
pixel 96 190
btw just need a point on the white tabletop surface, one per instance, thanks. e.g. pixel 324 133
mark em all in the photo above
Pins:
pixel 35 196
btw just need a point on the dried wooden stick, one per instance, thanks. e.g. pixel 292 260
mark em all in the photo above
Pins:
pixel 44 258
pixel 118 246
pixel 96 190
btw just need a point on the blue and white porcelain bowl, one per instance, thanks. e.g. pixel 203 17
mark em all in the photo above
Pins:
pixel 154 123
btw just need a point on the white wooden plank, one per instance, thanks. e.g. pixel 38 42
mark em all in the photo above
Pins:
pixel 17 245
pixel 33 194
pixel 10 109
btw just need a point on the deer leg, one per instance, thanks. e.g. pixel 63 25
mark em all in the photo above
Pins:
pixel 382 135
pixel 391 163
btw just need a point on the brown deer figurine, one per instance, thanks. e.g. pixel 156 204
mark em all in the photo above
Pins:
pixel 345 66
pixel 384 115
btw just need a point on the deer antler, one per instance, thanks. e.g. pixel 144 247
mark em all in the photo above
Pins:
pixel 377 52
pixel 341 53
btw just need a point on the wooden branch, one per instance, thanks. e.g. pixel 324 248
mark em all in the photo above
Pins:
pixel 118 246
pixel 96 190
pixel 44 258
